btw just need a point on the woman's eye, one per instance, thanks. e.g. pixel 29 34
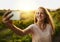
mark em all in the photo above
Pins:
pixel 38 12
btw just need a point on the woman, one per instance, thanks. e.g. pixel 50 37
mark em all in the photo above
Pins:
pixel 42 29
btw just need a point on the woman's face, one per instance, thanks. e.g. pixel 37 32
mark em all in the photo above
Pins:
pixel 40 15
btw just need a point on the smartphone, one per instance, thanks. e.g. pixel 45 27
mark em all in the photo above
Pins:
pixel 16 15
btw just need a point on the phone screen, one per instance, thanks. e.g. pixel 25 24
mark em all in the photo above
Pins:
pixel 16 15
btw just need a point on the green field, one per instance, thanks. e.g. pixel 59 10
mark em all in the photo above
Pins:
pixel 27 18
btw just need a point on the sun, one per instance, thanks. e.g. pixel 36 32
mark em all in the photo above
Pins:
pixel 26 8
pixel 24 5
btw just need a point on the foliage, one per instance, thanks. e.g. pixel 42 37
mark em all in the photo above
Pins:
pixel 6 35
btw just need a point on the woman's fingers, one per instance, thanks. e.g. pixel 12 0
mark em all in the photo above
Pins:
pixel 5 14
pixel 8 17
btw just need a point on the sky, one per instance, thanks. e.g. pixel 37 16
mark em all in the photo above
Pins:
pixel 29 4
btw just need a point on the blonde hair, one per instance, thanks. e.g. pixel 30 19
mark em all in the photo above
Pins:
pixel 48 18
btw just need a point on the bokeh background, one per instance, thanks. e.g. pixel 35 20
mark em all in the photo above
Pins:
pixel 27 9
pixel 27 18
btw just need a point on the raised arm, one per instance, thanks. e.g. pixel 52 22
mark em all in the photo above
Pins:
pixel 6 20
pixel 20 31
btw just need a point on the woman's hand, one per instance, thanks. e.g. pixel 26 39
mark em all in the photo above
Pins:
pixel 6 17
